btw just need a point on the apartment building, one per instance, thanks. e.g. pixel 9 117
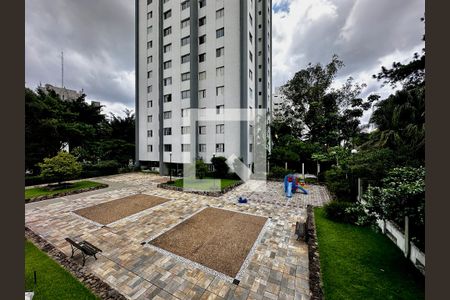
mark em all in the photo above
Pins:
pixel 193 55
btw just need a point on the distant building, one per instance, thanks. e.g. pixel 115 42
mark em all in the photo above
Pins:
pixel 95 103
pixel 62 92
pixel 277 99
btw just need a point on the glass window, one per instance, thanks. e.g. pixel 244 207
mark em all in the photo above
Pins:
pixel 220 32
pixel 185 94
pixel 202 75
pixel 201 147
pixel 167 115
pixel 185 147
pixel 202 57
pixel 185 76
pixel 167 131
pixel 185 58
pixel 219 13
pixel 202 39
pixel 185 23
pixel 201 129
pixel 220 128
pixel 220 71
pixel 201 21
pixel 219 91
pixel 168 14
pixel 185 4
pixel 167 31
pixel 167 147
pixel 167 81
pixel 185 129
pixel 220 51
pixel 185 40
pixel 167 98
pixel 167 64
pixel 220 147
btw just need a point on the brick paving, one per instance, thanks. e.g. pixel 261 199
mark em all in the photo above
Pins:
pixel 277 269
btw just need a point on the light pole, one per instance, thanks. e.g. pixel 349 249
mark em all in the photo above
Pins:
pixel 170 166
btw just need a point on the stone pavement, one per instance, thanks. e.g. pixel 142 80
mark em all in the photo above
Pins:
pixel 278 268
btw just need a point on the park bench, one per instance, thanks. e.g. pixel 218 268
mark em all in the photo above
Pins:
pixel 86 249
pixel 301 230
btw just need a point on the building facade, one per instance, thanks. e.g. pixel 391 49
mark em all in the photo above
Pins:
pixel 199 54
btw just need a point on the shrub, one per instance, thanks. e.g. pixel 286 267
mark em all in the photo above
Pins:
pixel 200 168
pixel 340 211
pixel 61 167
pixel 220 166
pixel 105 167
pixel 279 172
pixel 338 183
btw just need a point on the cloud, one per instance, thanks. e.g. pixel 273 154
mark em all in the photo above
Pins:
pixel 364 34
pixel 97 38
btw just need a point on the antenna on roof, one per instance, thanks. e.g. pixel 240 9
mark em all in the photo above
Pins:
pixel 62 69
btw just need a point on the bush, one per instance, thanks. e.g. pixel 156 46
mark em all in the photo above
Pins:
pixel 60 168
pixel 106 167
pixel 220 166
pixel 340 211
pixel 279 172
pixel 338 183
pixel 201 169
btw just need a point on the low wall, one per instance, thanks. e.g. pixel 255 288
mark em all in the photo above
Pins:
pixel 416 256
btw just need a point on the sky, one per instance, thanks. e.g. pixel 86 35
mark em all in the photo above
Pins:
pixel 97 38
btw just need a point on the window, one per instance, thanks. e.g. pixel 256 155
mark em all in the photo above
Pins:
pixel 220 147
pixel 149 119
pixel 250 18
pixel 167 81
pixel 202 75
pixel 219 13
pixel 202 57
pixel 149 44
pixel 185 4
pixel 202 3
pixel 220 32
pixel 251 130
pixel 167 115
pixel 168 14
pixel 201 21
pixel 149 2
pixel 185 76
pixel 167 98
pixel 219 91
pixel 220 51
pixel 202 39
pixel 250 36
pixel 185 147
pixel 259 53
pixel 149 59
pixel 149 103
pixel 220 129
pixel 250 91
pixel 220 109
pixel 167 147
pixel 185 58
pixel 201 129
pixel 185 129
pixel 149 148
pixel 201 147
pixel 250 74
pixel 202 94
pixel 149 29
pixel 149 15
pixel 185 94
pixel 167 64
pixel 185 23
pixel 185 40
pixel 149 74
pixel 167 31
pixel 250 55
pixel 250 148
pixel 184 112
pixel 167 131
pixel 220 71
pixel 167 48
pixel 149 133
pixel 149 89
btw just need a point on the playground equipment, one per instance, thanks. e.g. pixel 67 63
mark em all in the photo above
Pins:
pixel 292 184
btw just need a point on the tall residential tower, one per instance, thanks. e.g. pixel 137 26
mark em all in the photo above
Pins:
pixel 203 54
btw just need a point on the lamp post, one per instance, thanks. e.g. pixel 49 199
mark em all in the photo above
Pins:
pixel 170 166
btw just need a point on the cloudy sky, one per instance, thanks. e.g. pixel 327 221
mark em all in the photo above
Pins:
pixel 97 37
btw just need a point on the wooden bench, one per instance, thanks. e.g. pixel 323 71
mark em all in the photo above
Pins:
pixel 86 249
pixel 301 230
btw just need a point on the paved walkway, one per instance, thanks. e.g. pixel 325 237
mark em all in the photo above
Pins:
pixel 278 268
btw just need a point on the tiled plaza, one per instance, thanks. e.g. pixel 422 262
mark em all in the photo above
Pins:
pixel 276 269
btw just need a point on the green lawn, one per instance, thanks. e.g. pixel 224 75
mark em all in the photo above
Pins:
pixel 204 185
pixel 53 282
pixel 41 191
pixel 359 263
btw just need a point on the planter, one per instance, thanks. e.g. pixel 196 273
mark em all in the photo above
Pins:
pixel 203 193
pixel 315 277
pixel 45 197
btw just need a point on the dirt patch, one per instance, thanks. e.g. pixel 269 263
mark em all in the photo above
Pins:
pixel 112 211
pixel 216 238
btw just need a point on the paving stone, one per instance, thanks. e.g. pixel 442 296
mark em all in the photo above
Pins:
pixel 277 268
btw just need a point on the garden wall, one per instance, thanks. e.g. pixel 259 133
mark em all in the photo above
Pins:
pixel 392 231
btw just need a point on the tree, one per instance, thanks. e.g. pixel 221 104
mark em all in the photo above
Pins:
pixel 220 166
pixel 200 168
pixel 328 115
pixel 61 167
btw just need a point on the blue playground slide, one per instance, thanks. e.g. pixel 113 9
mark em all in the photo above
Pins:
pixel 295 186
